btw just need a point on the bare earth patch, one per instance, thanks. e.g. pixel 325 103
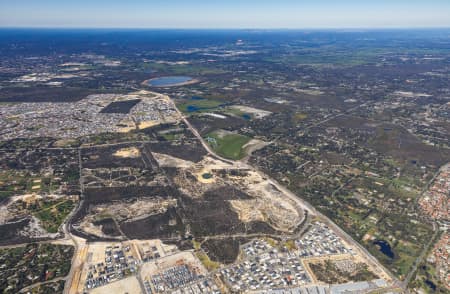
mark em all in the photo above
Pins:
pixel 129 285
pixel 165 160
pixel 148 124
pixel 131 152
pixel 257 113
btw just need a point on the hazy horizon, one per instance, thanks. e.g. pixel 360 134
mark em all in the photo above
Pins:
pixel 233 14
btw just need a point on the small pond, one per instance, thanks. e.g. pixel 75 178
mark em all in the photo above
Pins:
pixel 384 248
pixel 207 176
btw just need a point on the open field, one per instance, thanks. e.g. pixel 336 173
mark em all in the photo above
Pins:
pixel 228 145
pixel 202 105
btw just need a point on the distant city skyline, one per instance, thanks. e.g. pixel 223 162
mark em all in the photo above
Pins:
pixel 204 14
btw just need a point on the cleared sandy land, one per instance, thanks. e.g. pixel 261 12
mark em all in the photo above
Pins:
pixel 257 113
pixel 129 285
pixel 254 145
pixel 129 126
pixel 165 160
pixel 125 211
pixel 131 152
pixel 205 176
pixel 246 210
pixel 269 204
pixel 148 124
pixel 140 208
pixel 92 229
pixel 64 142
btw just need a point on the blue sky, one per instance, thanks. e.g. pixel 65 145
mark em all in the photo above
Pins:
pixel 225 13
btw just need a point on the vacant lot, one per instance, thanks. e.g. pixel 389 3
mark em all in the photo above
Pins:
pixel 129 285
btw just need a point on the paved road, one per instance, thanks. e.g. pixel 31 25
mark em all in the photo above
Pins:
pixel 420 258
pixel 139 278
pixel 81 147
pixel 66 229
pixel 24 290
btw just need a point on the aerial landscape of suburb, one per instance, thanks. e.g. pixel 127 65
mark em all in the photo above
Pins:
pixel 231 157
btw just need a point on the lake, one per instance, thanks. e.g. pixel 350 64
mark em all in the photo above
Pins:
pixel 170 81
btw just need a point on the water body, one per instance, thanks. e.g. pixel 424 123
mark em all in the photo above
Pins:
pixel 430 284
pixel 169 81
pixel 385 248
pixel 192 108
pixel 246 116
pixel 207 176
pixel 196 108
pixel 149 70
